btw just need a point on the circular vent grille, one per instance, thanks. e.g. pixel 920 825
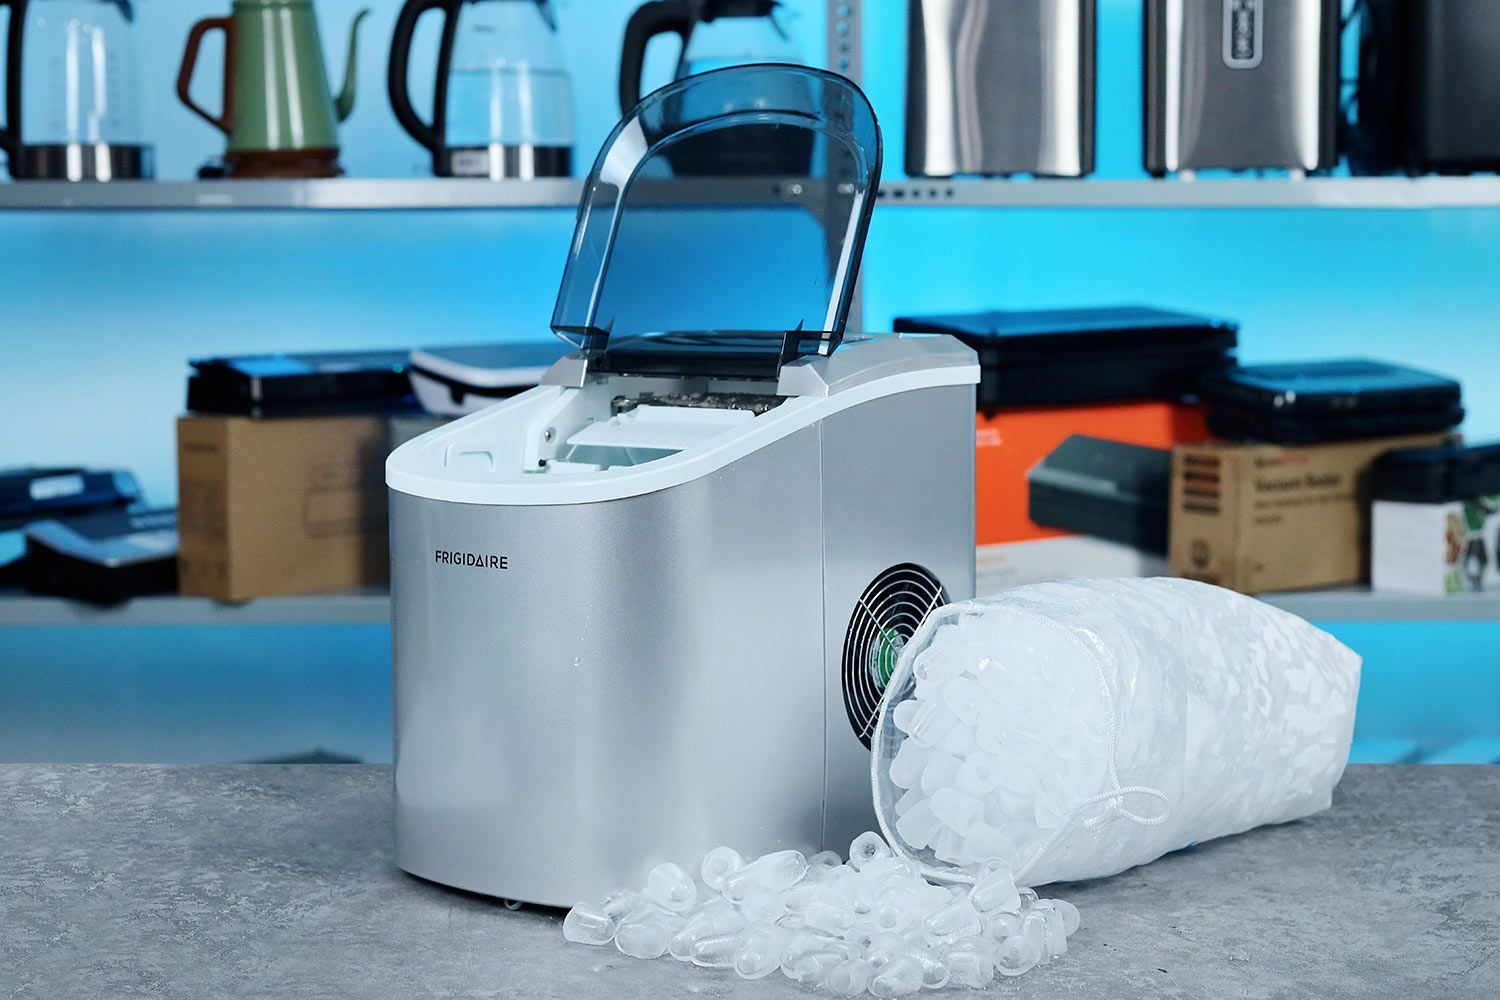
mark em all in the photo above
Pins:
pixel 887 614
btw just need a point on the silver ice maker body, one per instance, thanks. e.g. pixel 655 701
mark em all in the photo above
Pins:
pixel 648 607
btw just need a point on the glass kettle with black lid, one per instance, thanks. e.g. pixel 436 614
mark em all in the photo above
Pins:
pixel 678 270
pixel 502 100
pixel 73 100
pixel 716 34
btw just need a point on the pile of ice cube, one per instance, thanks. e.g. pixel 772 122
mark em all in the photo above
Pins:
pixel 873 924
pixel 997 753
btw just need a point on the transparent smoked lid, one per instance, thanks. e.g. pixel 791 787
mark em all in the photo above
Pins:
pixel 721 228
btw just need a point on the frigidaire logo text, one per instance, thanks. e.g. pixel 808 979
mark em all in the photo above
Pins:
pixel 478 560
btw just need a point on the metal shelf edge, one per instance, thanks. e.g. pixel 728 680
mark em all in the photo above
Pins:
pixel 368 608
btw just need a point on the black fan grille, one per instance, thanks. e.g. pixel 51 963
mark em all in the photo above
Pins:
pixel 886 615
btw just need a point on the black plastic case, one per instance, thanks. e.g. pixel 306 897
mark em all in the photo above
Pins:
pixel 1052 357
pixel 1438 475
pixel 276 385
pixel 1105 489
pixel 27 494
pixel 106 557
pixel 1339 400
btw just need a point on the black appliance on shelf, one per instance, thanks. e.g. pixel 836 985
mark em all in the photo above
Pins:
pixel 1428 98
pixel 1105 489
pixel 30 493
pixel 1337 400
pixel 105 557
pixel 1053 357
pixel 277 385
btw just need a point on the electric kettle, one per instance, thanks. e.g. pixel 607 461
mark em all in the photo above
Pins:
pixel 73 108
pixel 277 112
pixel 503 103
pixel 716 34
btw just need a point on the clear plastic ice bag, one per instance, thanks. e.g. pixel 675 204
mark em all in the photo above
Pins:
pixel 1077 729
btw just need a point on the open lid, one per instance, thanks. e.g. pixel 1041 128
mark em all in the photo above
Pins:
pixel 721 228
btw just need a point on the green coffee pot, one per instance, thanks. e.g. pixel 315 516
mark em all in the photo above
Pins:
pixel 277 111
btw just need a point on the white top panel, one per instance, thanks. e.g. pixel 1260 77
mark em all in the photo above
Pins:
pixel 491 457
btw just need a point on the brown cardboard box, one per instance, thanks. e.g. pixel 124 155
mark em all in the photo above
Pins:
pixel 284 506
pixel 1261 517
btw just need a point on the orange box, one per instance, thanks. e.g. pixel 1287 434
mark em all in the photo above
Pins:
pixel 1012 549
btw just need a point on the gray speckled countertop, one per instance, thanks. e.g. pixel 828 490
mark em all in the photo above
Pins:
pixel 278 881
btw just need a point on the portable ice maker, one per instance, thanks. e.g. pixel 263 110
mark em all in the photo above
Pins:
pixel 649 606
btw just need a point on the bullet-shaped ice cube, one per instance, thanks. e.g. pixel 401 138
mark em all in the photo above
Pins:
pixel 978 775
pixel 778 871
pixel 867 847
pixel 930 721
pixel 833 916
pixel 717 950
pixel 948 845
pixel 956 810
pixel 1067 911
pixel 995 889
pixel 941 771
pixel 759 952
pixel 719 864
pixel 966 699
pixel 671 888
pixel 1016 956
pixel 906 766
pixel 918 826
pixel 825 859
pixel 902 714
pixel 955 920
pixel 849 978
pixel 897 978
pixel 896 907
pixel 908 799
pixel 587 924
pixel 959 740
pixel 934 966
pixel 970 967
pixel 811 968
pixel 763 905
pixel 983 842
pixel 646 934
pixel 619 905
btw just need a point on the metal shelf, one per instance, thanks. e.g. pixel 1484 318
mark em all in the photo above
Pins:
pixel 374 607
pixel 443 194
pixel 341 194
pixel 1317 192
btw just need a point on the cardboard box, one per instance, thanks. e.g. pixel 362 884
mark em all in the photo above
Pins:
pixel 1436 548
pixel 1012 548
pixel 281 506
pixel 1259 517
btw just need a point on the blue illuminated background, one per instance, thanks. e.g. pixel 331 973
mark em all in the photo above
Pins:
pixel 100 311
